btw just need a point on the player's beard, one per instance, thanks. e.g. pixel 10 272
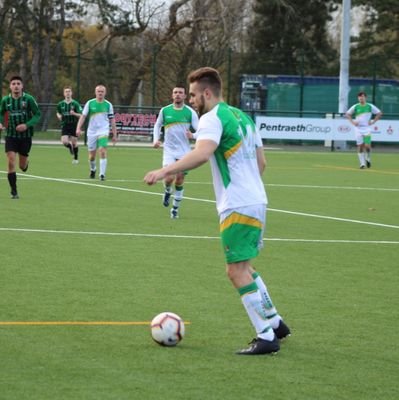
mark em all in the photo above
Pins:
pixel 201 106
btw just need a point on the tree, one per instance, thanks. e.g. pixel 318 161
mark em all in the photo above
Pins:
pixel 290 36
pixel 376 47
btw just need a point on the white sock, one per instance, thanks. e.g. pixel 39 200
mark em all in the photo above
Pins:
pixel 361 158
pixel 103 166
pixel 270 310
pixel 178 197
pixel 253 304
pixel 92 165
pixel 368 156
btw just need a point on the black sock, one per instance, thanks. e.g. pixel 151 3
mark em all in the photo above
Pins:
pixel 75 152
pixel 12 180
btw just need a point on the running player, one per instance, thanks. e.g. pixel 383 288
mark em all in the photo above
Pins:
pixel 176 119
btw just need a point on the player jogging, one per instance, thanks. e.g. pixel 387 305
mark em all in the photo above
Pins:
pixel 176 119
pixel 101 114
pixel 22 113
pixel 68 113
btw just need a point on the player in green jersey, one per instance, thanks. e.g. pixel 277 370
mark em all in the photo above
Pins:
pixel 228 138
pixel 360 115
pixel 68 113
pixel 100 113
pixel 19 113
pixel 176 119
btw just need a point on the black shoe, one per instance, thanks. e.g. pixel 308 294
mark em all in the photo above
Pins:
pixel 368 163
pixel 92 174
pixel 261 346
pixel 165 200
pixel 14 195
pixel 282 330
pixel 26 167
pixel 102 178
pixel 362 167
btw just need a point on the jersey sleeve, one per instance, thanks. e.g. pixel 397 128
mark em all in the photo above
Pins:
pixel 351 110
pixel 157 127
pixel 36 114
pixel 209 128
pixel 78 107
pixel 194 119
pixel 111 112
pixel 375 110
pixel 85 111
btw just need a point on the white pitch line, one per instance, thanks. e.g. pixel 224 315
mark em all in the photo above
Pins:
pixel 150 235
pixel 355 221
pixel 209 201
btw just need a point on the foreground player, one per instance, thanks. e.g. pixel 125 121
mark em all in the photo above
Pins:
pixel 176 118
pixel 360 115
pixel 228 138
pixel 68 113
pixel 22 113
pixel 101 114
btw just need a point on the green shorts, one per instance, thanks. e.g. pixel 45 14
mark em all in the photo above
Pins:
pixel 367 139
pixel 241 236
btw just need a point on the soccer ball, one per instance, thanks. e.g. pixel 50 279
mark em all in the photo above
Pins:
pixel 167 329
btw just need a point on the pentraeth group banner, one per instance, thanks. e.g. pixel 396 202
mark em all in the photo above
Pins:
pixel 322 129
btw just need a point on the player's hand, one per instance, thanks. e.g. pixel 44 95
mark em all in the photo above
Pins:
pixel 153 177
pixel 189 134
pixel 78 132
pixel 157 144
pixel 1 127
pixel 21 128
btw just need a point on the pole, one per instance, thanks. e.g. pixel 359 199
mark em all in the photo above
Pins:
pixel 78 73
pixel 344 60
pixel 1 67
pixel 374 79
pixel 154 73
pixel 302 84
pixel 228 74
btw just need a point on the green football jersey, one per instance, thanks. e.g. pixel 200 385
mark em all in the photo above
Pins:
pixel 64 108
pixel 23 110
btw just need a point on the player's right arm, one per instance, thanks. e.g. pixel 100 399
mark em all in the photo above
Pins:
pixel 82 119
pixel 157 130
pixel 349 115
pixel 2 113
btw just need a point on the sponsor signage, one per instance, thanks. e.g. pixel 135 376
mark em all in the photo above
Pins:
pixel 135 123
pixel 322 129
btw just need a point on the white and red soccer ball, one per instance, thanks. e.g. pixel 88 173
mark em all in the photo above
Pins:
pixel 167 329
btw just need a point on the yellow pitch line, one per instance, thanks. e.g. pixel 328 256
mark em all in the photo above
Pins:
pixel 72 323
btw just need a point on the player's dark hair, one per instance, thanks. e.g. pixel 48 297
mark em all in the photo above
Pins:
pixel 16 78
pixel 207 77
pixel 362 94
pixel 180 86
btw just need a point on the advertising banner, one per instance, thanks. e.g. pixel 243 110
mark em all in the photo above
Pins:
pixel 139 123
pixel 322 129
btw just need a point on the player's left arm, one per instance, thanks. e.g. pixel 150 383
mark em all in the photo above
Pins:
pixel 114 131
pixel 376 118
pixel 36 114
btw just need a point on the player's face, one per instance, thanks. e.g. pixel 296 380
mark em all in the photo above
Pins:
pixel 67 93
pixel 197 98
pixel 178 95
pixel 16 87
pixel 100 92
pixel 362 98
